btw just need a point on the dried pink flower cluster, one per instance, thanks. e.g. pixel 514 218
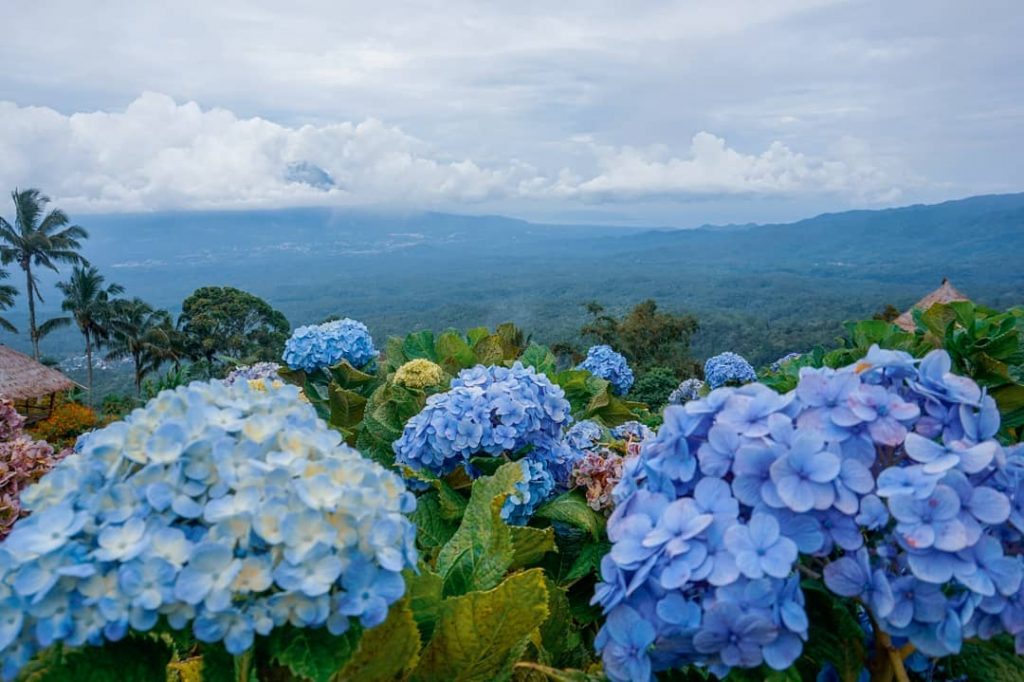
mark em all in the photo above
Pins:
pixel 598 472
pixel 23 460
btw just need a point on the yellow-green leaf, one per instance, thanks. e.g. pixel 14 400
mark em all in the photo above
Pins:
pixel 531 544
pixel 387 652
pixel 480 634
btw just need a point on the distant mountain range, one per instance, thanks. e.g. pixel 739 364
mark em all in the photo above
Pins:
pixel 791 283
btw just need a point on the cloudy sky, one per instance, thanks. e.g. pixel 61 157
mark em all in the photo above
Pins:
pixel 632 112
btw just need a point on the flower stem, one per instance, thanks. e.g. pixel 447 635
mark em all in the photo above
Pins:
pixel 243 666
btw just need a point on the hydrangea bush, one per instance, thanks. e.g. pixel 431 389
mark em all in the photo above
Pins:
pixel 728 368
pixel 880 481
pixel 318 346
pixel 223 507
pixel 604 362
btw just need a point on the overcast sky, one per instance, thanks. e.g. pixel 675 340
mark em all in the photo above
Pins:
pixel 632 112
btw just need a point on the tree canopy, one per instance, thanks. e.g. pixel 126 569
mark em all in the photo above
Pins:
pixel 224 321
pixel 647 336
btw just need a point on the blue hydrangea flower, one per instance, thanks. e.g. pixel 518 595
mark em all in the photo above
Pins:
pixel 886 471
pixel 535 487
pixel 324 345
pixel 254 372
pixel 487 411
pixel 602 361
pixel 583 435
pixel 632 430
pixel 727 368
pixel 687 390
pixel 229 508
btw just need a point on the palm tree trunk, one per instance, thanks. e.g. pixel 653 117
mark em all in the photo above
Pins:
pixel 88 362
pixel 138 375
pixel 27 267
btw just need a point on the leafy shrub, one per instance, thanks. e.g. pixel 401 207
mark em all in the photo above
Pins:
pixel 67 422
pixel 880 483
pixel 654 387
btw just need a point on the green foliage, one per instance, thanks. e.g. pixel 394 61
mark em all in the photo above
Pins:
pixel 646 336
pixel 835 636
pixel 991 661
pixel 480 635
pixel 654 386
pixel 456 352
pixel 224 321
pixel 572 508
pixel 387 652
pixel 312 654
pixel 134 659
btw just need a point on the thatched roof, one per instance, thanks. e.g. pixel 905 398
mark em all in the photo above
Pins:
pixel 944 294
pixel 22 378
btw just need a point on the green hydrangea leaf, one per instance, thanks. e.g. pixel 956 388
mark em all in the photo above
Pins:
pixel 419 345
pixel 572 508
pixel 131 660
pixel 453 353
pixel 588 561
pixel 347 407
pixel 387 652
pixel 992 661
pixel 489 350
pixel 479 635
pixel 423 590
pixel 481 551
pixel 531 544
pixel 433 530
pixel 312 653
pixel 540 358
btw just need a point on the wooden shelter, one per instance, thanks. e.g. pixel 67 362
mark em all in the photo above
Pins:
pixel 32 386
pixel 944 294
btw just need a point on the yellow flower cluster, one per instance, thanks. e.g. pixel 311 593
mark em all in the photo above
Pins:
pixel 419 374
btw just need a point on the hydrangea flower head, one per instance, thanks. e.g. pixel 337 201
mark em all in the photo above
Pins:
pixel 885 474
pixel 602 361
pixel 419 373
pixel 268 371
pixel 219 506
pixel 688 389
pixel 726 368
pixel 324 345
pixel 487 411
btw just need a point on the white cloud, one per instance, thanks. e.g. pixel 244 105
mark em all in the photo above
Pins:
pixel 159 154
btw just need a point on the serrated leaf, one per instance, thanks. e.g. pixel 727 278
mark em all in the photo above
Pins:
pixel 481 551
pixel 424 592
pixel 476 334
pixel 387 652
pixel 419 345
pixel 433 530
pixel 572 508
pixel 347 407
pixel 557 633
pixel 540 358
pixel 489 350
pixel 312 653
pixel 479 635
pixel 453 505
pixel 394 352
pixel 588 561
pixel 531 544
pixel 347 376
pixel 453 353
pixel 992 661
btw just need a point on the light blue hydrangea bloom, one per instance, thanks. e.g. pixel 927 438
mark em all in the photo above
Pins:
pixel 536 486
pixel 886 471
pixel 602 361
pixel 324 345
pixel 584 435
pixel 726 368
pixel 232 508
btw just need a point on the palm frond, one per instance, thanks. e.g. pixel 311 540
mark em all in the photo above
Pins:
pixel 52 325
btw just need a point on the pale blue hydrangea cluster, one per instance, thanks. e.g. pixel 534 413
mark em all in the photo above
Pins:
pixel 884 476
pixel 232 508
pixel 728 368
pixel 632 430
pixel 324 345
pixel 602 361
pixel 584 434
pixel 487 411
pixel 254 372
pixel 687 390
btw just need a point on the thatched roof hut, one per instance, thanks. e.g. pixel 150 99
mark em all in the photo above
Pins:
pixel 944 294
pixel 31 385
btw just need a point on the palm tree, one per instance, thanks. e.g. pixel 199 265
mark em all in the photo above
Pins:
pixel 7 294
pixel 38 239
pixel 88 301
pixel 139 332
